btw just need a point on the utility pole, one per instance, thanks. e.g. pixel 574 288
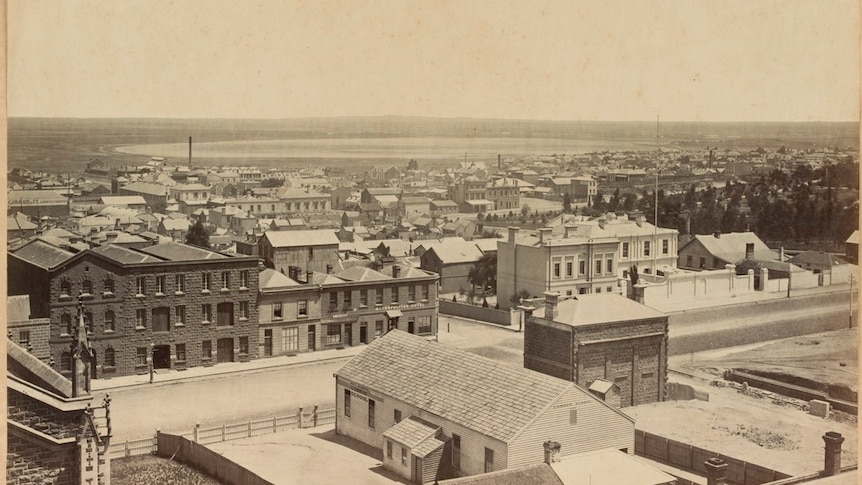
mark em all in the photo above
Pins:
pixel 851 301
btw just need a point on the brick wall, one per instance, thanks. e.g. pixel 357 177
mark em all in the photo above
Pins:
pixel 28 462
pixel 548 350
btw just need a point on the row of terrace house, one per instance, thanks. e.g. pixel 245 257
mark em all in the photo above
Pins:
pixel 169 304
pixel 305 311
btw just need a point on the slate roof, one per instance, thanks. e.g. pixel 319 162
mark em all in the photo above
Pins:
pixel 411 431
pixel 481 394
pixel 540 474
pixel 817 258
pixel 600 308
pixel 286 239
pixel 173 251
pixel 731 246
pixel 42 254
pixel 124 255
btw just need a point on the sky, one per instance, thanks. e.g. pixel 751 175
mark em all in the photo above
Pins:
pixel 716 60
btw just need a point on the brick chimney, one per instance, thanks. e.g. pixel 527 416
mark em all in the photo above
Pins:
pixel 396 271
pixel 309 275
pixel 544 235
pixel 552 452
pixel 749 250
pixel 552 310
pixel 569 230
pixel 832 462
pixel 513 231
pixel 328 269
pixel 716 234
pixel 716 469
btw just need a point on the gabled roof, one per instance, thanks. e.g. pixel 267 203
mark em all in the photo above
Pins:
pixel 19 221
pixel 481 394
pixel 461 253
pixel 731 246
pixel 42 254
pixel 270 278
pixel 172 251
pixel 817 258
pixel 146 188
pixel 600 308
pixel 358 273
pixel 854 238
pixel 27 367
pixel 411 431
pixel 175 224
pixel 286 239
pixel 124 255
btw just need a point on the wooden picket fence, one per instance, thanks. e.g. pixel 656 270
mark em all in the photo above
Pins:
pixel 304 418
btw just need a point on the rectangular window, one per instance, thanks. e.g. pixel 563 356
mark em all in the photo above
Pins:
pixel 243 345
pixel 161 284
pixel 378 328
pixel 703 262
pixel 363 297
pixel 180 281
pixel 397 416
pixel 388 449
pixel 302 308
pixel 225 280
pixel 206 312
pixel 207 349
pixel 333 301
pixel 371 413
pixel 348 300
pixel 609 265
pixel 267 342
pixel 110 321
pixel 688 260
pixel 646 248
pixel 140 318
pixel 456 451
pixel 109 285
pixel 424 324
pixel 411 293
pixel 206 281
pixel 598 266
pixel 276 311
pixel 425 291
pixel 333 333
pixel 379 296
pixel 665 246
pixel 582 267
pixel 403 455
pixel 598 290
pixel 87 287
pixel 291 339
pixel 243 309
pixel 569 269
pixel 394 294
pixel 24 338
pixel 141 285
pixel 243 278
pixel 625 250
pixel 489 460
pixel 141 356
pixel 181 352
pixel 347 403
pixel 225 314
pixel 556 270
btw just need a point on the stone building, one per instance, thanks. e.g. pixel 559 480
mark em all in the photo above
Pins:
pixel 32 334
pixel 170 304
pixel 600 337
pixel 302 312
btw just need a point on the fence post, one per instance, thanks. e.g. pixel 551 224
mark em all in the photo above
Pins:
pixel 275 424
pixel 315 415
pixel 126 448
pixel 155 450
pixel 197 431
pixel 299 418
pixel 223 428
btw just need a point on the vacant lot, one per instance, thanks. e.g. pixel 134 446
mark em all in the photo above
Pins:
pixel 151 470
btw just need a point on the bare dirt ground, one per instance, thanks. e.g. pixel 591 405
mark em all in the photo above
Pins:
pixel 759 429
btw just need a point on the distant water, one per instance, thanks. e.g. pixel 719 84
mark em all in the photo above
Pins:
pixel 434 148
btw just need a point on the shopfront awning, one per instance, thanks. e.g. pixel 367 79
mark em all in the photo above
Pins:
pixel 393 313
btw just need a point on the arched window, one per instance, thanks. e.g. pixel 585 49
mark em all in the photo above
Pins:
pixel 87 287
pixel 109 285
pixel 109 321
pixel 65 361
pixel 110 358
pixel 66 324
pixel 88 321
pixel 65 288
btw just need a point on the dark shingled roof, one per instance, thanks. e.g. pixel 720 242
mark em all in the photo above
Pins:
pixel 481 394
pixel 41 254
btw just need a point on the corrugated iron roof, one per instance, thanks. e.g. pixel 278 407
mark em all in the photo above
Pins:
pixel 42 254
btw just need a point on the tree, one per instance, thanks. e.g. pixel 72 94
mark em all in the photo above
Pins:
pixel 160 207
pixel 525 209
pixel 484 272
pixel 518 297
pixel 567 203
pixel 197 235
pixel 633 274
pixel 413 165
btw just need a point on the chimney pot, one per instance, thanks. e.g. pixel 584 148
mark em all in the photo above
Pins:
pixel 396 271
pixel 513 231
pixel 749 251
pixel 716 234
pixel 552 310
pixel 716 469
pixel 832 461
pixel 309 275
pixel 328 269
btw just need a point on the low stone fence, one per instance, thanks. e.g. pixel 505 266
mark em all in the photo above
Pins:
pixel 205 460
pixel 490 315
pixel 691 458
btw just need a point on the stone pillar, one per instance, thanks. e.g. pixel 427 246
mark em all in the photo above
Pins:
pixel 750 275
pixel 731 272
pixel 832 462
pixel 764 277
pixel 716 469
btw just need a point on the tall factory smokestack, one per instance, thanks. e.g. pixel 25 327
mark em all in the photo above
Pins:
pixel 190 153
pixel 499 161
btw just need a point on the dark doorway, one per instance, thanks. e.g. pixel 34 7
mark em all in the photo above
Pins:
pixel 312 338
pixel 162 357
pixel 267 342
pixel 225 350
pixel 411 326
pixel 348 329
pixel 363 334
